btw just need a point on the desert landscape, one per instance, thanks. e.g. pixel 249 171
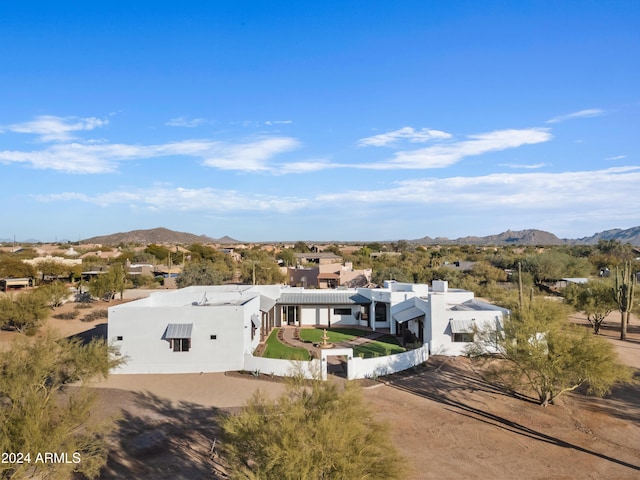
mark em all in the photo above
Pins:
pixel 444 418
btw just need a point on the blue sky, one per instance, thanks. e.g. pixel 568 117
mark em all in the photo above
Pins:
pixel 348 120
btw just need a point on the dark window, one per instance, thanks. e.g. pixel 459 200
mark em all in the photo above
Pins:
pixel 463 337
pixel 119 337
pixel 213 337
pixel 342 311
pixel 181 344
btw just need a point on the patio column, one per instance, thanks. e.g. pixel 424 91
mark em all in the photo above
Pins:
pixel 372 315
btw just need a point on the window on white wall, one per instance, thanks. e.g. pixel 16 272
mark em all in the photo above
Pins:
pixel 461 330
pixel 179 336
pixel 342 311
pixel 463 337
pixel 180 344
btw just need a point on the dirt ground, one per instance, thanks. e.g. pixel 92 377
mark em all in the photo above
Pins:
pixel 446 421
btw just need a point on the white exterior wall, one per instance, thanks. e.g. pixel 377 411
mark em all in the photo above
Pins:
pixel 142 329
pixel 307 316
pixel 438 323
pixel 440 337
pixel 345 320
pixel 313 315
pixel 480 317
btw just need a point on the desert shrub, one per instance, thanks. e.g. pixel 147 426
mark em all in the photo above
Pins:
pixel 70 315
pixel 95 315
pixel 81 306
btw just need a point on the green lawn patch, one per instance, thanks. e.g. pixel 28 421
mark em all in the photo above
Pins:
pixel 276 349
pixel 386 345
pixel 336 335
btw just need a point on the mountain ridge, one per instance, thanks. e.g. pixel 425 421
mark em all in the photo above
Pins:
pixel 163 235
pixel 157 235
pixel 539 237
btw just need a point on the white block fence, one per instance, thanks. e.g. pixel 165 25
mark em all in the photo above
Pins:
pixel 357 367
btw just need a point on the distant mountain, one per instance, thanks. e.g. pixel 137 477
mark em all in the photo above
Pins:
pixel 630 235
pixel 155 235
pixel 510 237
pixel 537 237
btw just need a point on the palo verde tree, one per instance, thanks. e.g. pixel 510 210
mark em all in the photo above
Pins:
pixel 313 431
pixel 202 272
pixel 106 285
pixel 593 298
pixel 539 351
pixel 54 293
pixel 39 414
pixel 23 312
pixel 623 292
pixel 15 268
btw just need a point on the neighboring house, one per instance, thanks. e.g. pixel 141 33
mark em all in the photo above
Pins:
pixel 306 277
pixel 214 328
pixel 564 282
pixel 139 268
pixel 15 283
pixel 330 275
pixel 343 275
pixel 319 258
pixel 459 266
pixel 235 255
pixel 67 262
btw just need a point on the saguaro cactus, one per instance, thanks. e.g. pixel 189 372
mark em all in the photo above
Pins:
pixel 623 294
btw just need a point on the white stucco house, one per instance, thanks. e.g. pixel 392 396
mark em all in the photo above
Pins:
pixel 216 328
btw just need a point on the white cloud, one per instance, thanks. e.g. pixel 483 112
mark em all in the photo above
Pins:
pixel 184 122
pixel 524 165
pixel 591 112
pixel 250 156
pixel 278 122
pixel 51 128
pixel 578 192
pixel 618 157
pixel 405 133
pixel 439 156
pixel 185 199
pixel 314 165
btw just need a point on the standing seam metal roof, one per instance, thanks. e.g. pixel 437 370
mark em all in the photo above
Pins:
pixel 178 330
pixel 322 298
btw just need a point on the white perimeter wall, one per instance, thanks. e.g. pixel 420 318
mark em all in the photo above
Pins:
pixel 357 368
pixel 282 368
pixel 379 366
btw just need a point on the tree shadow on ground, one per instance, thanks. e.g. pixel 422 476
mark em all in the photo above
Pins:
pixel 157 439
pixel 441 374
pixel 452 386
pixel 622 402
